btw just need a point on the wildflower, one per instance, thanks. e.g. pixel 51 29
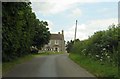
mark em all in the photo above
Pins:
pixel 104 49
pixel 97 55
pixel 108 56
pixel 83 50
pixel 101 59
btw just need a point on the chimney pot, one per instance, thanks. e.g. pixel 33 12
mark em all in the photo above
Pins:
pixel 62 32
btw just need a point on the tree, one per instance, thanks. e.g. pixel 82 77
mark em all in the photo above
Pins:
pixel 20 30
pixel 69 46
pixel 42 35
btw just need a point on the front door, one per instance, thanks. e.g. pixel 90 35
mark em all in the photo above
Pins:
pixel 56 49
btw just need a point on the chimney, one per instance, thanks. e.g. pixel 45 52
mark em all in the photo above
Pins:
pixel 58 32
pixel 62 32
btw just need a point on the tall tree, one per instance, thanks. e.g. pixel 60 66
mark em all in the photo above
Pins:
pixel 20 30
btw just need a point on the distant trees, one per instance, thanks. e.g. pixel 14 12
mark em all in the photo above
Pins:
pixel 69 46
pixel 21 30
pixel 102 46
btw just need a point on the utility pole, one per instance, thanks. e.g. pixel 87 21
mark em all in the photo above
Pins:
pixel 75 32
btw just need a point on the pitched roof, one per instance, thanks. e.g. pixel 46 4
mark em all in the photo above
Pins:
pixel 56 37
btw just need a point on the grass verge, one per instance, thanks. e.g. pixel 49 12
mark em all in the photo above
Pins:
pixel 7 66
pixel 95 67
pixel 48 53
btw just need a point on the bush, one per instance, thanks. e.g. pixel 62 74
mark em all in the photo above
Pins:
pixel 102 46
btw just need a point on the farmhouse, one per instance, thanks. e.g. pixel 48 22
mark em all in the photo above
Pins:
pixel 56 43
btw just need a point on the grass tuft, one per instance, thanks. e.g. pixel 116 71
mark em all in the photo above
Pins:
pixel 95 67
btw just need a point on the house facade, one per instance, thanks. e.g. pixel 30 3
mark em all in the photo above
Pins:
pixel 56 43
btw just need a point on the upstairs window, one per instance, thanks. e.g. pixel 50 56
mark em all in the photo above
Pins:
pixel 56 42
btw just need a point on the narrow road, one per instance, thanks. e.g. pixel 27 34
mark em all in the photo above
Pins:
pixel 49 66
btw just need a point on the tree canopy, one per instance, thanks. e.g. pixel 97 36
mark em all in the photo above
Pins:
pixel 21 30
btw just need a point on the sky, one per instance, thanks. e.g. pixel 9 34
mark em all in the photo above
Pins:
pixel 92 16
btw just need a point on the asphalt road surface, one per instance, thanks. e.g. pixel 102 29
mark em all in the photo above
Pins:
pixel 49 66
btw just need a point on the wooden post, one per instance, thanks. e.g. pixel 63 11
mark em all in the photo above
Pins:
pixel 75 32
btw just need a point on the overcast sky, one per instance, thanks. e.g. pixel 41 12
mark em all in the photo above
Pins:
pixel 92 15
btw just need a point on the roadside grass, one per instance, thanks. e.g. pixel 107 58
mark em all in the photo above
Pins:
pixel 95 67
pixel 48 53
pixel 7 66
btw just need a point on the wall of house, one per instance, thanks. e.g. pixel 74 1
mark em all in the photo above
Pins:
pixel 53 45
pixel 60 45
pixel 56 44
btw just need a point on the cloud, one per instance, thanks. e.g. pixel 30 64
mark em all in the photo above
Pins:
pixel 50 7
pixel 41 7
pixel 50 24
pixel 81 32
pixel 73 1
pixel 88 29
pixel 101 24
pixel 103 10
pixel 75 13
pixel 47 7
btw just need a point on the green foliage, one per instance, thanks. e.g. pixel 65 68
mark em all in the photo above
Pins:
pixel 70 45
pixel 21 29
pixel 42 34
pixel 95 67
pixel 102 46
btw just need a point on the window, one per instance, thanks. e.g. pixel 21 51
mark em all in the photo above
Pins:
pixel 56 42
